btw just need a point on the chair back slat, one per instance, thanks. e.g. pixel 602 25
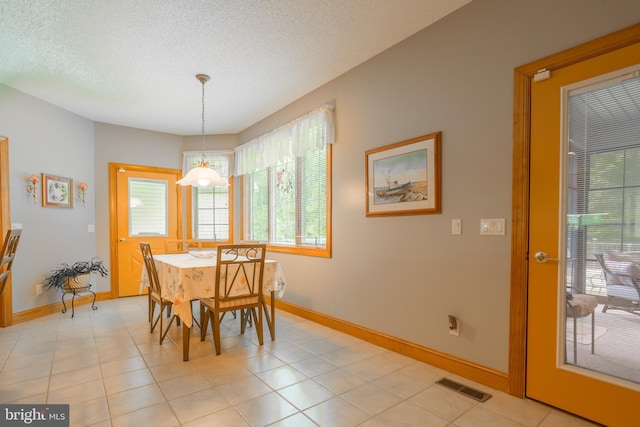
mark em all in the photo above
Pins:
pixel 150 265
pixel 9 248
pixel 239 273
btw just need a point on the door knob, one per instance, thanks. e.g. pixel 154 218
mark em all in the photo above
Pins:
pixel 122 239
pixel 543 257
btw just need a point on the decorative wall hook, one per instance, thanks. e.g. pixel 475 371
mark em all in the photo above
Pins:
pixel 32 188
pixel 82 194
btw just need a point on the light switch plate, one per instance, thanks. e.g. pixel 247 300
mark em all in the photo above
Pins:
pixel 456 227
pixel 492 227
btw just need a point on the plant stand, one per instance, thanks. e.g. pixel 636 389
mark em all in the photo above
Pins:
pixel 75 286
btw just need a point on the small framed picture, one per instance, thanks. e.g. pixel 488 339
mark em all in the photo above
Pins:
pixel 404 178
pixel 57 191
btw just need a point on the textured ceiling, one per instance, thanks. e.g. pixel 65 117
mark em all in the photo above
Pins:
pixel 133 62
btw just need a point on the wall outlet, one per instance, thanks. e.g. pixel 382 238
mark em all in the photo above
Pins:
pixel 38 289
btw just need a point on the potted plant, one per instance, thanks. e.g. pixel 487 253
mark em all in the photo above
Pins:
pixel 74 278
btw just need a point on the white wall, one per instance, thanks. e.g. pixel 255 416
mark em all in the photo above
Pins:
pixel 399 275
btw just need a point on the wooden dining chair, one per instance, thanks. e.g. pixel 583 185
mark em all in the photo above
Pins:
pixel 9 248
pixel 238 286
pixel 155 293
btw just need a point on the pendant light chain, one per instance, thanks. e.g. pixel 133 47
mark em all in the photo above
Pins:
pixel 203 82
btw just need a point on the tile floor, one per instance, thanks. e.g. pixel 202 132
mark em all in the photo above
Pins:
pixel 112 372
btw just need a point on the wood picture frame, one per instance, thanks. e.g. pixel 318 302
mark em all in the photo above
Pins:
pixel 57 191
pixel 404 178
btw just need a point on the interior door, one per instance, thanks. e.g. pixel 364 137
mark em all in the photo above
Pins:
pixel 552 377
pixel 148 202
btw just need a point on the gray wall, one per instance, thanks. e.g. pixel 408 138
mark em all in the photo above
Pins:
pixel 403 275
pixel 399 275
pixel 44 138
pixel 119 144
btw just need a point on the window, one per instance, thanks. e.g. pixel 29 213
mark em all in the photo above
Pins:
pixel 147 207
pixel 210 212
pixel 287 186
pixel 603 175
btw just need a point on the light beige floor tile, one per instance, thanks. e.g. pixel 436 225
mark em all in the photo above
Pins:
pixel 370 368
pixel 224 373
pixel 184 385
pixel 78 376
pixel 226 418
pixel 318 346
pixel 263 362
pixel 134 399
pixel 243 389
pixel 163 355
pixel 113 372
pixel 443 402
pixel 525 411
pixel 296 420
pixel 336 412
pixel 423 372
pixel 119 351
pixel 314 366
pixel 281 377
pixel 346 355
pixel 339 380
pixel 292 354
pixel 561 419
pixel 40 398
pixel 371 398
pixel 89 413
pixel 306 394
pixel 172 369
pixel 266 409
pixel 119 367
pixel 159 415
pixel 10 376
pixel 21 360
pixel 401 385
pixel 78 393
pixel 118 383
pixel 479 416
pixel 408 414
pixel 197 405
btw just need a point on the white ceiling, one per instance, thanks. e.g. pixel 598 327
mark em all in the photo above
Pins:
pixel 133 63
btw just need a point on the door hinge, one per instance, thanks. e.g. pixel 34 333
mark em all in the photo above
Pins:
pixel 542 74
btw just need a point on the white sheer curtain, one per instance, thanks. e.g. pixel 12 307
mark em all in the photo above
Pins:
pixel 307 133
pixel 220 160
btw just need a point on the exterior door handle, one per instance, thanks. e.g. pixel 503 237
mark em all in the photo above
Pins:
pixel 543 257
pixel 122 239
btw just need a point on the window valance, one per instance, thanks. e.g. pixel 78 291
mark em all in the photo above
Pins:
pixel 220 160
pixel 307 133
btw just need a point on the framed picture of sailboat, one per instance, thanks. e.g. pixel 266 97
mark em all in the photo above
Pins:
pixel 405 178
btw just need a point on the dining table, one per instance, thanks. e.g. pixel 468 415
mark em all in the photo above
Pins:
pixel 185 277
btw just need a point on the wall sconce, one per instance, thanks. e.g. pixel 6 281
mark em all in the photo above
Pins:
pixel 31 188
pixel 82 194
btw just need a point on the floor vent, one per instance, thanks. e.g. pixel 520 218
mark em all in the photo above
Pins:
pixel 478 395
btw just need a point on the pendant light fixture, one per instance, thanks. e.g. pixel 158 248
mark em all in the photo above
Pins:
pixel 202 175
